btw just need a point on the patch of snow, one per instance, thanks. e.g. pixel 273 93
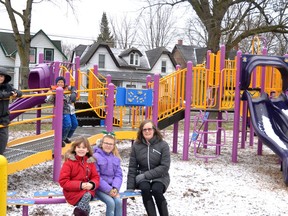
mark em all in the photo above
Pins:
pixel 268 129
pixel 252 186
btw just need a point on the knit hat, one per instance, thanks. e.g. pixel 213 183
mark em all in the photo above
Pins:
pixel 3 71
pixel 60 78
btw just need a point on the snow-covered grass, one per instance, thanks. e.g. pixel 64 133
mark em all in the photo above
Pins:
pixel 252 186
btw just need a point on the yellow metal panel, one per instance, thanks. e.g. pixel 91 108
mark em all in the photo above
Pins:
pixel 126 135
pixel 30 138
pixel 3 184
pixel 93 139
pixel 29 161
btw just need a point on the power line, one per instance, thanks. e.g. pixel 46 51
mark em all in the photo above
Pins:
pixel 54 35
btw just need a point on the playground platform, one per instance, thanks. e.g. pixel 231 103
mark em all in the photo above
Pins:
pixel 25 152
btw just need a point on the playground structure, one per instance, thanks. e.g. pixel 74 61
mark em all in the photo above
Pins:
pixel 216 87
pixel 212 86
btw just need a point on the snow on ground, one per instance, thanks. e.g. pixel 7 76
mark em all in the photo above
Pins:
pixel 253 186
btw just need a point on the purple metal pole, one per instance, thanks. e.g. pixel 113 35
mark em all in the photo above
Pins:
pixel 25 210
pixel 222 66
pixel 220 117
pixel 175 137
pixel 155 99
pixel 110 107
pixel 96 70
pixel 124 207
pixel 188 93
pixel 175 125
pixel 251 134
pixel 55 75
pixel 41 58
pixel 77 68
pixel 244 124
pixel 58 133
pixel 50 200
pixel 236 109
pixel 205 128
pixel 38 122
pixel 56 70
pixel 208 66
pixel 148 80
pixel 67 78
pixel 263 76
pixel 251 137
pixel 109 78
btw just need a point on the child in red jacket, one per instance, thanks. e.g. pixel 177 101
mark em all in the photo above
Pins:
pixel 79 177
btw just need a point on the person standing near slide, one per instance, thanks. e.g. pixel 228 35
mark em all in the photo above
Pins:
pixel 6 91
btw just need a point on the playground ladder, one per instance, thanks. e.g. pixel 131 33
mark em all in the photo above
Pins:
pixel 202 148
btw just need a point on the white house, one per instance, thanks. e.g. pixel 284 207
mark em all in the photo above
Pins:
pixel 128 68
pixel 40 43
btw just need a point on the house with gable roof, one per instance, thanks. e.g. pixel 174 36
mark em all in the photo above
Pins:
pixel 40 43
pixel 128 68
pixel 184 53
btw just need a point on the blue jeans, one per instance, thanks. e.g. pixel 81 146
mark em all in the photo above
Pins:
pixel 113 205
pixel 70 123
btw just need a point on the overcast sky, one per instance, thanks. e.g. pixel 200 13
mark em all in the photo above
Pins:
pixel 83 26
pixel 59 19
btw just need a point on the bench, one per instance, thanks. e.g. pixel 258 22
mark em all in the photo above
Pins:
pixel 25 202
pixel 57 197
pixel 11 193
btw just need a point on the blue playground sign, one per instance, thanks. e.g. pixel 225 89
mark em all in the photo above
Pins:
pixel 133 97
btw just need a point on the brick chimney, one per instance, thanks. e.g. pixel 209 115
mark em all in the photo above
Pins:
pixel 180 42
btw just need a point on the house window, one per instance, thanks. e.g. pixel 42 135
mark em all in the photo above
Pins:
pixel 101 62
pixel 130 86
pixel 32 55
pixel 134 59
pixel 163 67
pixel 131 59
pixel 48 54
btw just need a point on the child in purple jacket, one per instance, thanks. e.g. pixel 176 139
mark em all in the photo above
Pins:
pixel 108 163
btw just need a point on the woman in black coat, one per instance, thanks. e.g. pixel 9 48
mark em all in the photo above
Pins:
pixel 148 168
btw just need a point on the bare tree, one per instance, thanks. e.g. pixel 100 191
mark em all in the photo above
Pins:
pixel 223 20
pixel 68 49
pixel 125 33
pixel 279 44
pixel 157 26
pixel 196 32
pixel 23 42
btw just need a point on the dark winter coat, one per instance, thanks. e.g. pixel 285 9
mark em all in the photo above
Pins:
pixel 75 171
pixel 153 160
pixel 109 169
pixel 68 99
pixel 6 90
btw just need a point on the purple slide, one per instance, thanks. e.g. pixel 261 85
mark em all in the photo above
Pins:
pixel 39 77
pixel 25 103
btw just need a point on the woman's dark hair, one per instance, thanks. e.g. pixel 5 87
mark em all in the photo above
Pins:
pixel 156 133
